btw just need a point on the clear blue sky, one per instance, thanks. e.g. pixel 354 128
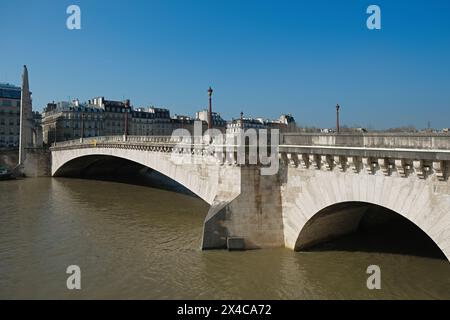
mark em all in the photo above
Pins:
pixel 262 57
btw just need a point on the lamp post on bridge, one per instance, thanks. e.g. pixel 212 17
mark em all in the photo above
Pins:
pixel 82 128
pixel 337 118
pixel 127 107
pixel 210 92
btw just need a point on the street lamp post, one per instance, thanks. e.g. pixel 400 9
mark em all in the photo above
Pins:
pixel 337 118
pixel 82 127
pixel 127 106
pixel 210 92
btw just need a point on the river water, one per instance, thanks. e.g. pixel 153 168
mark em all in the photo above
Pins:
pixel 144 243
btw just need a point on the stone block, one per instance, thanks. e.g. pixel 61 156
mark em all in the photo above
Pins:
pixel 235 243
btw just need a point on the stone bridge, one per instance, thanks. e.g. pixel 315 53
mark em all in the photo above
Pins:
pixel 324 188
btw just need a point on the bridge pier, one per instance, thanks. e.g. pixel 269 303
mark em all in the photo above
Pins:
pixel 251 211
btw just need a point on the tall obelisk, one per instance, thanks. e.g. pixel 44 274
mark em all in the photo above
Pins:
pixel 26 117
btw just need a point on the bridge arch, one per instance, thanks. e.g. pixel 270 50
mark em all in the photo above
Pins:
pixel 324 205
pixel 200 179
pixel 372 228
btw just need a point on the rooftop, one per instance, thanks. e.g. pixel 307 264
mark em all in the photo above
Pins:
pixel 8 86
pixel 9 91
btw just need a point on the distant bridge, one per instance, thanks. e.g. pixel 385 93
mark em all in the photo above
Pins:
pixel 322 190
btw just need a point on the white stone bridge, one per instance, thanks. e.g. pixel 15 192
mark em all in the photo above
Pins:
pixel 325 187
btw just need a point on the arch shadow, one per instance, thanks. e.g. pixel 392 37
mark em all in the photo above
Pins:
pixel 117 169
pixel 362 226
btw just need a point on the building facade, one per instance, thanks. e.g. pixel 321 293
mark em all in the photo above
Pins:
pixel 9 116
pixel 63 121
pixel 71 120
pixel 151 122
pixel 217 121
pixel 285 123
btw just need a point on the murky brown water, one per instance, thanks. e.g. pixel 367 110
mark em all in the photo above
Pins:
pixel 139 242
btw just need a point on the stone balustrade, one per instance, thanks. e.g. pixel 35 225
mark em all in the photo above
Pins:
pixel 420 154
pixel 402 167
pixel 422 141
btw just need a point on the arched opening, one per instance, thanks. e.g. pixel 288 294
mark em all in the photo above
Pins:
pixel 111 168
pixel 360 226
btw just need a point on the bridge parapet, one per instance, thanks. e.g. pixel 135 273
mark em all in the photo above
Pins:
pixel 421 154
pixel 119 139
pixel 150 143
pixel 216 150
pixel 425 141
pixel 386 162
